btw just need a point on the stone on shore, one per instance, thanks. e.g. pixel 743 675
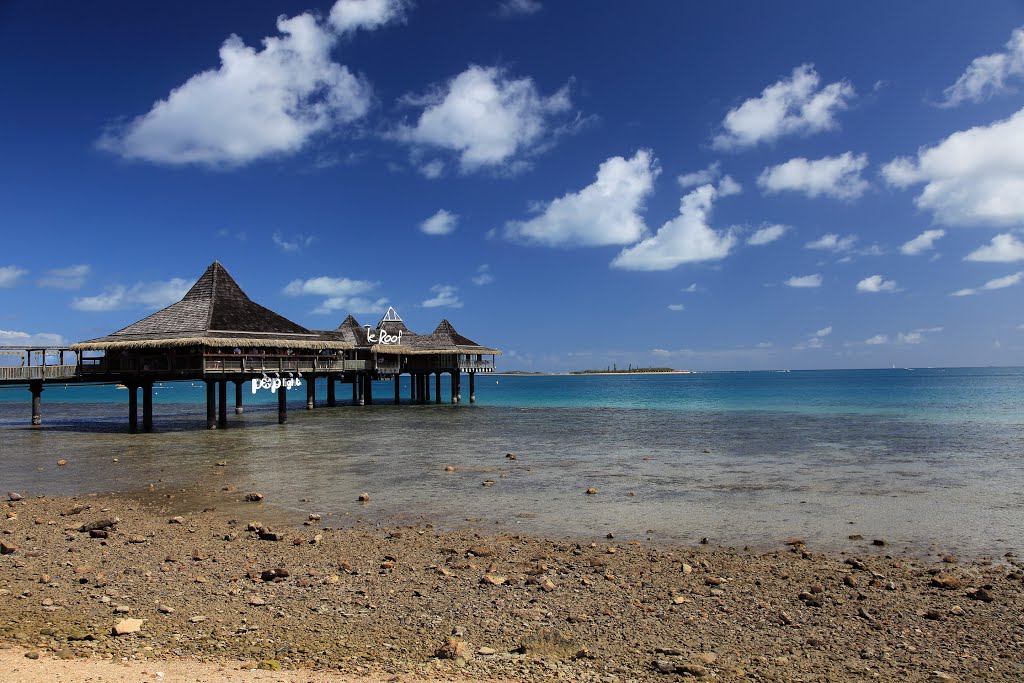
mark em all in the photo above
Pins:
pixel 126 626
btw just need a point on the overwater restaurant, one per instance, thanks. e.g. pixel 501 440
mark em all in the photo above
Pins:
pixel 218 335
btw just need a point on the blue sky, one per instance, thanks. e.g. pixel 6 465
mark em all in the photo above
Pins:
pixel 699 185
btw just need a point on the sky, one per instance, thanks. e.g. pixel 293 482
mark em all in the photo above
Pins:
pixel 697 185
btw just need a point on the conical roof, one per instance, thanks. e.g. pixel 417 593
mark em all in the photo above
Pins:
pixel 215 311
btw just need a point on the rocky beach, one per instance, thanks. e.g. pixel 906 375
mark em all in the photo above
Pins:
pixel 223 579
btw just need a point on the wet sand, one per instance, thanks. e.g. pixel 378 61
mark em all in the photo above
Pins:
pixel 255 593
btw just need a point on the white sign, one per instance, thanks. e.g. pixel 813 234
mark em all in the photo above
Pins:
pixel 383 337
pixel 275 383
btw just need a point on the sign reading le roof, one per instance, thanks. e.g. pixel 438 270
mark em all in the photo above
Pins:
pixel 383 337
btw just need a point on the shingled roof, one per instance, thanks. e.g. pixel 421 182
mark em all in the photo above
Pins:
pixel 214 312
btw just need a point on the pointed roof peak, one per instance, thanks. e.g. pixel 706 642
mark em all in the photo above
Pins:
pixel 445 327
pixel 350 321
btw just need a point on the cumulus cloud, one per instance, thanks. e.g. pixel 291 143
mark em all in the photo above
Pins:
pixel 804 281
pixel 824 332
pixel 986 76
pixel 727 185
pixel 486 117
pixel 483 276
pixel 911 338
pixel 687 238
pixel 9 275
pixel 150 295
pixel 72 277
pixel 441 223
pixel 998 283
pixel 676 307
pixel 350 15
pixel 877 339
pixel 1005 248
pixel 603 213
pixel 876 283
pixel 691 288
pixel 837 177
pixel 294 244
pixel 767 235
pixel 832 242
pixel 342 294
pixel 19 338
pixel 519 8
pixel 444 295
pixel 257 103
pixel 922 243
pixel 972 178
pixel 790 106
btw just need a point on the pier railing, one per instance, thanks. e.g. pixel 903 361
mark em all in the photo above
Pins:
pixel 476 365
pixel 38 372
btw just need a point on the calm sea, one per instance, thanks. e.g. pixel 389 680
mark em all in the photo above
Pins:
pixel 931 460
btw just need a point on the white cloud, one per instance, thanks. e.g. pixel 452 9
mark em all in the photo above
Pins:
pixel 877 339
pixel 789 106
pixel 295 244
pixel 701 177
pixel 986 76
pixel 151 295
pixel 72 277
pixel 832 242
pixel 687 238
pixel 691 288
pixel 483 276
pixel 998 283
pixel 432 169
pixel 603 213
pixel 923 242
pixel 875 284
pixel 9 275
pixel 804 281
pixel 441 223
pixel 676 307
pixel 767 235
pixel 349 15
pixel 838 177
pixel 444 295
pixel 972 178
pixel 18 338
pixel 1005 248
pixel 343 294
pixel 257 103
pixel 486 117
pixel 727 185
pixel 329 286
pixel 519 8
pixel 824 332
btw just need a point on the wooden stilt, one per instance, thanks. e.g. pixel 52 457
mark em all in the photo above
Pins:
pixel 211 404
pixel 133 408
pixel 437 387
pixel 362 389
pixel 412 388
pixel 311 392
pixel 282 406
pixel 355 390
pixel 238 396
pixel 369 390
pixel 36 387
pixel 398 385
pixel 454 399
pixel 330 391
pixel 222 404
pixel 472 387
pixel 147 406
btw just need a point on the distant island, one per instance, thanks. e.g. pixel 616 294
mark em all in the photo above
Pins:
pixel 626 371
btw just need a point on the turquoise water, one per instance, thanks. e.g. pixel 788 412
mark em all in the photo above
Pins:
pixel 932 460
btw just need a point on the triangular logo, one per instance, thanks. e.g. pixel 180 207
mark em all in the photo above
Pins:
pixel 391 316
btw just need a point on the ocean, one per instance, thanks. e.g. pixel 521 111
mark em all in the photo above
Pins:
pixel 929 460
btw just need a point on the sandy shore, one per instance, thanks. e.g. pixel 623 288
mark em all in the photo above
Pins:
pixel 233 590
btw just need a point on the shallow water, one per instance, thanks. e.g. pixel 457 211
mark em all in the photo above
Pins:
pixel 921 459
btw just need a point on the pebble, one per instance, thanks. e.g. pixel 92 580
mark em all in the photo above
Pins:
pixel 14 496
pixel 7 548
pixel 488 482
pixel 449 468
pixel 126 626
pixel 165 609
pixel 591 491
pixel 493 579
pixel 510 456
pixel 253 497
pixel 176 520
pixel 946 582
pixel 61 463
pixel 364 497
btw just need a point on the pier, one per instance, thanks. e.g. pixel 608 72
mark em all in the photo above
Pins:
pixel 216 334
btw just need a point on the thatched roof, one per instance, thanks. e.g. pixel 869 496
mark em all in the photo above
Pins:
pixel 443 340
pixel 214 312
